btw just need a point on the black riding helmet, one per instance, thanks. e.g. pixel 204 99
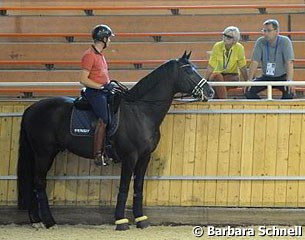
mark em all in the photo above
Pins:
pixel 100 32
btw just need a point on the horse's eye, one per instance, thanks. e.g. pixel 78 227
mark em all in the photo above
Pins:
pixel 190 70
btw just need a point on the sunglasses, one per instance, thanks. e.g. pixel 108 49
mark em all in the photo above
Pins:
pixel 227 36
pixel 267 30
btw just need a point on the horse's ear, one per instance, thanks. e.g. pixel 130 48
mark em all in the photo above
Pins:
pixel 189 55
pixel 184 55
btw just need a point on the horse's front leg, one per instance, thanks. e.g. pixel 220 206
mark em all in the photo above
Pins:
pixel 140 170
pixel 120 220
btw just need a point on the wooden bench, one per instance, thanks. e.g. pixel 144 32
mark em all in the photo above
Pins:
pixel 126 75
pixel 149 7
pixel 138 24
pixel 135 37
pixel 120 51
pixel 297 22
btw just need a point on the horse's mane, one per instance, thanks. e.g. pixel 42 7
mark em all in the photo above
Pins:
pixel 148 82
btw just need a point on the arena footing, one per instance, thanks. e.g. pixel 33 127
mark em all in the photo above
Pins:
pixel 168 215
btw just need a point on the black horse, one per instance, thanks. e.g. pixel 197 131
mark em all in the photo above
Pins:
pixel 45 132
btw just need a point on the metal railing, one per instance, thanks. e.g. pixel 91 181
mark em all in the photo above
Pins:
pixel 24 86
pixel 268 84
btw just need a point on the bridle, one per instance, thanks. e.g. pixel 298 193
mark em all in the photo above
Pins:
pixel 197 92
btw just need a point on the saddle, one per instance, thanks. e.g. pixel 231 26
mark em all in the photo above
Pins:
pixel 83 120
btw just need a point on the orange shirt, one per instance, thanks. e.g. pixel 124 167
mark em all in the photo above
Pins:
pixel 95 63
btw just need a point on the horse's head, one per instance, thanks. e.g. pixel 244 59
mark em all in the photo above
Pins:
pixel 190 81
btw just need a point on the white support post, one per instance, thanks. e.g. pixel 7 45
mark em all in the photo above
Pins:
pixel 269 92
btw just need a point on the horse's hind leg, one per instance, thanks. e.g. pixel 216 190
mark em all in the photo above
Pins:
pixel 40 207
pixel 33 210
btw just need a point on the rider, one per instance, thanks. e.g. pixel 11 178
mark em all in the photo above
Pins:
pixel 95 78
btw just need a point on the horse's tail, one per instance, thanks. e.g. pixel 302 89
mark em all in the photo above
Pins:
pixel 25 169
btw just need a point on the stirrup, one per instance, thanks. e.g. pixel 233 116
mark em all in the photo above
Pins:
pixel 101 160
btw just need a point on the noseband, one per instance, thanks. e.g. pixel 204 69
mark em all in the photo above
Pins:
pixel 198 90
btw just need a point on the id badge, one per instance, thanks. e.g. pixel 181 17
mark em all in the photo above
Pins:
pixel 270 69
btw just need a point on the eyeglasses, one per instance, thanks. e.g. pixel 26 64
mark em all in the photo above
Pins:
pixel 227 36
pixel 267 30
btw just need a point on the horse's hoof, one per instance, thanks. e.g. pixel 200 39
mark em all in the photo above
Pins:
pixel 54 227
pixel 143 224
pixel 38 225
pixel 122 224
pixel 50 223
pixel 122 227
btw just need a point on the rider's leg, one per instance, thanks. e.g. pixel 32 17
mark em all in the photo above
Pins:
pixel 99 139
pixel 98 101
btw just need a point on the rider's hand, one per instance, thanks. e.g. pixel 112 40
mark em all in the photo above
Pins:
pixel 109 87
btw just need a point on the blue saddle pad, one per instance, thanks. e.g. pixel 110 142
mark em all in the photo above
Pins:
pixel 83 123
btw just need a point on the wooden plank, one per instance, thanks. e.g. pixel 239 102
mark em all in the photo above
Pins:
pixel 121 50
pixel 130 195
pixel 235 157
pixel 296 22
pixel 106 186
pixel 71 185
pixel 116 171
pixel 270 157
pixel 200 156
pixel 83 185
pixel 301 195
pixel 152 170
pixel 51 183
pixel 282 157
pixel 138 2
pixel 258 157
pixel 223 156
pixel 66 75
pixel 294 158
pixel 120 23
pixel 177 156
pixel 5 145
pixel 59 195
pixel 188 156
pixel 167 131
pixel 247 157
pixel 117 50
pixel 212 156
pixel 94 185
pixel 127 75
pixel 12 184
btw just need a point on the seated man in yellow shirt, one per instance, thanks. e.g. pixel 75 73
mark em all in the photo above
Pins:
pixel 226 59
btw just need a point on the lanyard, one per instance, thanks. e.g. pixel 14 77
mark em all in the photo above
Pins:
pixel 267 48
pixel 225 63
